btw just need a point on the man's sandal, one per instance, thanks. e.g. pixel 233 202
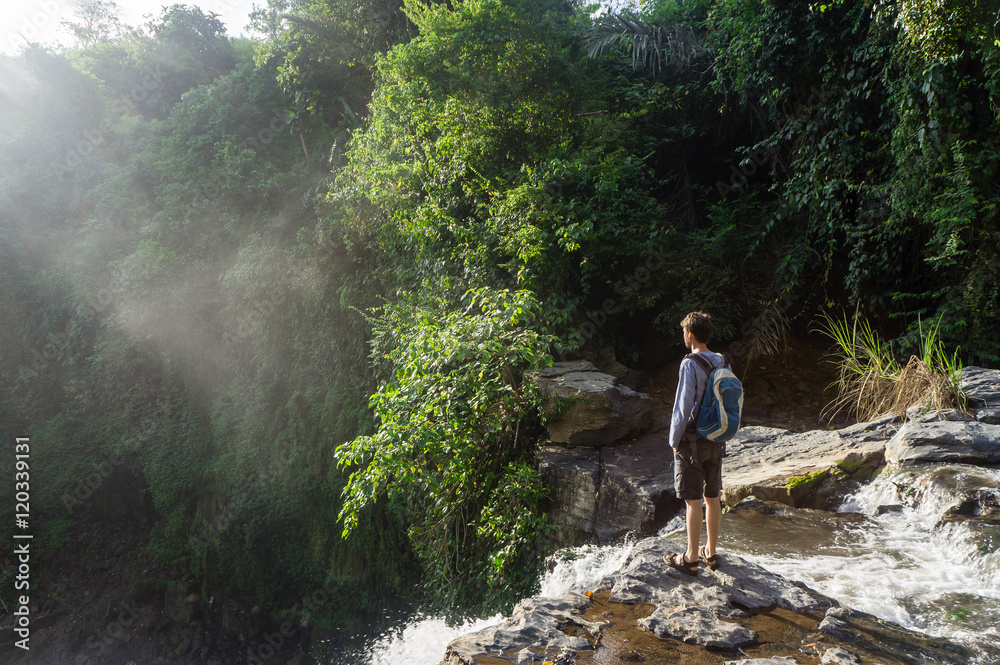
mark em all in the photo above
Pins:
pixel 712 561
pixel 676 560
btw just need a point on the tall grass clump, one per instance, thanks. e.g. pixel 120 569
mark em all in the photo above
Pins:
pixel 872 382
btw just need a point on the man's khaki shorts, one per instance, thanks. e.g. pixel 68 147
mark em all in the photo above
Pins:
pixel 702 476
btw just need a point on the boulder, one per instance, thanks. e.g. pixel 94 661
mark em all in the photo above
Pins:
pixel 637 488
pixel 854 636
pixel 980 503
pixel 988 414
pixel 535 622
pixel 944 441
pixel 981 386
pixel 589 408
pixel 811 469
pixel 754 505
pixel 605 361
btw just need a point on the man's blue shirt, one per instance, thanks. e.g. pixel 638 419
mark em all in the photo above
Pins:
pixel 691 385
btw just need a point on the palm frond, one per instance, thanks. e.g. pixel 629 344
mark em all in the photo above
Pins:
pixel 654 47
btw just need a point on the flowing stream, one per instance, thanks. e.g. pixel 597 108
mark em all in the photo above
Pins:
pixel 893 550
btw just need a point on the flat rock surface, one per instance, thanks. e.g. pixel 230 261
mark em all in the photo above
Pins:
pixel 761 460
pixel 736 584
pixel 968 442
pixel 539 622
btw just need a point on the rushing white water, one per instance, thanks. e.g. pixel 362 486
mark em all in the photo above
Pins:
pixel 422 641
pixel 908 564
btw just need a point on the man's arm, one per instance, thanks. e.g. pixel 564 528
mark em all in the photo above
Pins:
pixel 687 386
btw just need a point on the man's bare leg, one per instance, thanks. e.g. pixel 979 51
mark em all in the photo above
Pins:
pixel 693 529
pixel 713 518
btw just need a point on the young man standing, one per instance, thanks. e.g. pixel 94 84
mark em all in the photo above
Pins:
pixel 697 461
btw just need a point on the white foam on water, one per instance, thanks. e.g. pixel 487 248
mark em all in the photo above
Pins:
pixel 907 565
pixel 422 641
pixel 583 568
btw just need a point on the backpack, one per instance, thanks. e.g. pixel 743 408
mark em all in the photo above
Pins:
pixel 722 406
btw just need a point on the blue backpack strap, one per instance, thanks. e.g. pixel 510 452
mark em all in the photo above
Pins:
pixel 705 364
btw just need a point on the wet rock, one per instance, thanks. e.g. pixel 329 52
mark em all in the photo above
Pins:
pixel 752 504
pixel 697 626
pixel 777 660
pixel 835 626
pixel 979 503
pixel 944 441
pixel 981 386
pixel 869 639
pixel 535 623
pixel 838 656
pixel 591 408
pixel 889 508
pixel 735 584
pixel 708 610
pixel 698 610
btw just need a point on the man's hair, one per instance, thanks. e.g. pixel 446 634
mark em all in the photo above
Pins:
pixel 700 324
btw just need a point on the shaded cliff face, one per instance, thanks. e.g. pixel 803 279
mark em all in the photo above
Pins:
pixel 648 611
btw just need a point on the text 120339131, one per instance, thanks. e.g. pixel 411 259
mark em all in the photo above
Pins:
pixel 22 545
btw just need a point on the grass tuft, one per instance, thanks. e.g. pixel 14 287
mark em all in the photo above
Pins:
pixel 873 383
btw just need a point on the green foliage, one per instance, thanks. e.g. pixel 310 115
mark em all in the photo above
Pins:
pixel 148 70
pixel 96 21
pixel 880 119
pixel 166 312
pixel 323 52
pixel 456 426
